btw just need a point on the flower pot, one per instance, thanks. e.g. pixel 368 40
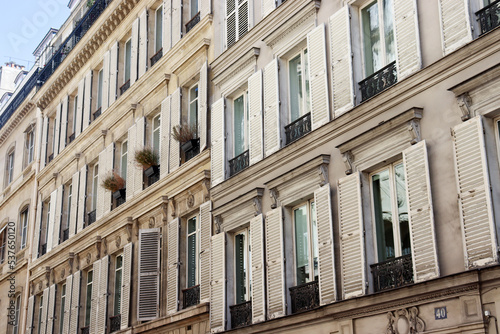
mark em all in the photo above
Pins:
pixel 151 171
pixel 188 145
pixel 121 193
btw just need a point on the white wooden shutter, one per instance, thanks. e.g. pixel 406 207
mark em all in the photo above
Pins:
pixel 29 315
pixel 102 296
pixel 272 126
pixel 318 78
pixel 256 138
pixel 43 151
pixel 75 303
pixel 341 61
pixel 258 273
pixel 165 136
pixel 43 319
pixel 205 7
pixel 105 81
pixel 267 7
pixel 167 25
pixel 175 119
pixel 148 294
pixel 38 224
pixel 51 308
pixel 139 144
pixel 407 37
pixel 113 72
pixel 143 42
pixel 134 51
pixel 176 21
pixel 352 243
pixel 94 305
pixel 64 124
pixel 173 266
pixel 79 108
pixel 126 285
pixel 203 104
pixel 57 125
pixel 67 304
pixel 102 194
pixel 205 237
pixel 87 100
pixel 218 284
pixel 74 204
pixel 131 165
pixel 474 196
pixel 52 219
pixel 58 216
pixel 218 154
pixel 82 193
pixel 275 262
pixel 105 169
pixel 455 24
pixel 327 289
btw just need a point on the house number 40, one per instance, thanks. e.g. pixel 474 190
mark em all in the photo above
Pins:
pixel 440 313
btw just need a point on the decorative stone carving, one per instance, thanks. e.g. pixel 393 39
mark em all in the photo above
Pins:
pixel 89 258
pixel 405 321
pixel 98 246
pixel 63 273
pixel 105 246
pixel 190 201
pixel 206 188
pixel 218 224
pixel 171 203
pixel 71 258
pixel 464 103
pixel 273 193
pixel 323 175
pixel 129 227
pixel 152 222
pixel 164 210
pixel 47 276
pixel 257 205
pixel 414 129
pixel 348 159
pixel 40 286
pixel 118 241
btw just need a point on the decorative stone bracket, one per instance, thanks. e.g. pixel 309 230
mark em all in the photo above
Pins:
pixel 464 103
pixel 405 321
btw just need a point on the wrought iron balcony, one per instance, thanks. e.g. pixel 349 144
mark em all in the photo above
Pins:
pixel 125 86
pixel 51 157
pixel 378 81
pixel 191 149
pixel 241 314
pixel 85 330
pixel 65 235
pixel 91 217
pixel 239 163
pixel 191 296
pixel 489 17
pixel 393 273
pixel 97 113
pixel 43 249
pixel 194 21
pixel 156 57
pixel 304 297
pixel 115 323
pixel 71 138
pixel 153 174
pixel 298 128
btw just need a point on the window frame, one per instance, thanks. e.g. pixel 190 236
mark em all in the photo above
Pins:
pixel 123 159
pixel 248 259
pixel 10 166
pixel 17 313
pixel 196 233
pixel 95 186
pixel 156 131
pixel 158 46
pixel 191 101
pixel 63 305
pixel 88 297
pixel 75 113
pixel 40 312
pixel 118 288
pixel 305 84
pixel 246 121
pixel 100 82
pixel 127 63
pixel 3 243
pixel 30 146
pixel 23 220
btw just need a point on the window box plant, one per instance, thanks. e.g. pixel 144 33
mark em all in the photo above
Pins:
pixel 114 183
pixel 148 159
pixel 186 135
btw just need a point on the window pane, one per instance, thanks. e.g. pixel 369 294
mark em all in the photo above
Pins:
pixel 390 52
pixel 301 246
pixel 307 100
pixel 240 268
pixel 295 88
pixel 159 28
pixel 193 107
pixel 371 38
pixel 128 55
pixel 314 235
pixel 194 7
pixel 383 215
pixel 156 134
pixel 63 304
pixel 404 229
pixel 192 254
pixel 118 285
pixel 89 298
pixel 95 185
pixel 239 126
pixel 99 90
pixel 124 160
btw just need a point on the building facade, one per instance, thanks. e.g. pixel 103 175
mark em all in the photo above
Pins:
pixel 258 166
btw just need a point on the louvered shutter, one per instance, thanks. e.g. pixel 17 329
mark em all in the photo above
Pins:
pixel 420 213
pixel 352 242
pixel 52 219
pixel 272 127
pixel 75 303
pixel 113 72
pixel 64 124
pixel 167 25
pixel 94 305
pixel 327 289
pixel 256 138
pixel 176 21
pixel 267 7
pixel 175 119
pixel 105 81
pixel 87 100
pixel 143 42
pixel 51 309
pixel 173 266
pixel 131 165
pixel 275 262
pixel 29 314
pixel 474 196
pixel 230 20
pixel 57 125
pixel 407 38
pixel 38 225
pixel 102 296
pixel 218 154
pixel 455 24
pixel 82 193
pixel 58 216
pixel 67 304
pixel 74 204
pixel 134 51
pixel 43 319
pixel 106 160
pixel 79 108
pixel 148 296
pixel 126 286
pixel 205 7
pixel 258 274
pixel 165 137
pixel 205 237
pixel 139 144
pixel 202 110
pixel 318 79
pixel 218 284
pixel 43 150
pixel 341 61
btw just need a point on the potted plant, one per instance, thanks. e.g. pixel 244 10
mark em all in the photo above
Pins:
pixel 148 159
pixel 186 135
pixel 114 183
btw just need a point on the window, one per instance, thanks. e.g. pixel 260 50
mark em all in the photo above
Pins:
pixel 193 108
pixel 159 29
pixel 68 212
pixel 95 185
pixel 236 20
pixel 16 315
pixel 3 241
pixel 75 113
pixel 88 300
pixel 99 90
pixel 242 268
pixel 24 227
pixel 40 312
pixel 10 167
pixel 63 304
pixel 193 6
pixel 240 124
pixel 128 56
pixel 123 159
pixel 156 134
pixel 30 146
pixel 378 39
pixel 390 212
pixel 306 243
pixel 298 72
pixel 192 252
pixel 118 285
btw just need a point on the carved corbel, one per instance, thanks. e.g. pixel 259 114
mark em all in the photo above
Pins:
pixel 257 205
pixel 273 193
pixel 164 210
pixel 104 133
pixel 77 156
pixel 323 174
pixel 414 129
pixel 71 259
pixel 348 159
pixel 47 276
pixel 129 227
pixel 218 224
pixel 206 189
pixel 171 204
pixel 464 103
pixel 105 246
pixel 98 246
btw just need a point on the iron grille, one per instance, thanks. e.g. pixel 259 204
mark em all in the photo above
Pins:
pixel 304 297
pixel 378 81
pixel 239 163
pixel 194 21
pixel 241 314
pixel 51 157
pixel 154 59
pixel 124 87
pixel 489 17
pixel 43 249
pixel 91 217
pixel 71 138
pixel 65 235
pixel 298 128
pixel 393 273
pixel 115 323
pixel 191 296
pixel 85 330
pixel 97 113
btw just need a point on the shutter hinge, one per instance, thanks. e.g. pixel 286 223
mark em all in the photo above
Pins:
pixel 452 132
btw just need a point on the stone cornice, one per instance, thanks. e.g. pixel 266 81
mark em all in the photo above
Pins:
pixel 18 116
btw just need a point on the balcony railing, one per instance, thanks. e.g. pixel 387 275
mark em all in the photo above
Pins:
pixel 156 57
pixel 298 128
pixel 194 21
pixel 239 163
pixel 378 81
pixel 191 149
pixel 65 235
pixel 71 138
pixel 393 273
pixel 304 297
pixel 91 217
pixel 124 87
pixel 51 157
pixel 85 330
pixel 114 323
pixel 153 174
pixel 43 249
pixel 489 17
pixel 191 296
pixel 97 113
pixel 241 314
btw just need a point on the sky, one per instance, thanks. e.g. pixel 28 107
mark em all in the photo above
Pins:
pixel 23 25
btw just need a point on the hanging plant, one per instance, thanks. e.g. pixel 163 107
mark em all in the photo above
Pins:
pixel 113 182
pixel 146 157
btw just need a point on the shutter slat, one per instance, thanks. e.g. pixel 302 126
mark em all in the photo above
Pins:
pixel 256 139
pixel 87 100
pixel 67 304
pixel 113 72
pixel 51 309
pixel 52 219
pixel 143 43
pixel 82 193
pixel 74 204
pixel 105 81
pixel 205 237
pixel 218 157
pixel 126 285
pixel 218 284
pixel 173 266
pixel 165 137
pixel 102 296
pixel 175 119
pixel 94 304
pixel 167 25
pixel 275 264
pixel 258 273
pixel 75 303
pixel 149 268
pixel 272 127
pixel 407 37
pixel 64 124
pixel 134 51
pixel 29 314
pixel 58 216
pixel 455 23
pixel 43 319
pixel 176 21
pixel 202 110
